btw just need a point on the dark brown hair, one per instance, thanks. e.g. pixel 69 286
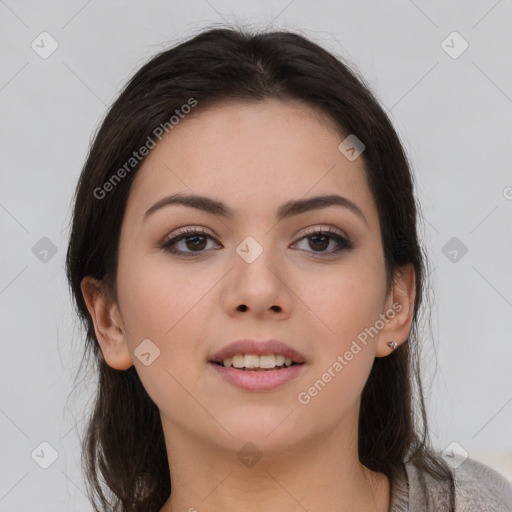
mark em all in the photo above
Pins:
pixel 124 453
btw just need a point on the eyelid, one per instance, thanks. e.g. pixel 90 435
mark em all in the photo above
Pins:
pixel 319 227
pixel 190 229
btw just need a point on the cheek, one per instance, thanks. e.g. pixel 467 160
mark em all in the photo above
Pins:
pixel 168 307
pixel 348 302
pixel 159 301
pixel 345 301
pixel 335 390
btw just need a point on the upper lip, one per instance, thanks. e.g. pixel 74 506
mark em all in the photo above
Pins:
pixel 259 348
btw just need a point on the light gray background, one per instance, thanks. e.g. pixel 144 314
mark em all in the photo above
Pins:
pixel 454 116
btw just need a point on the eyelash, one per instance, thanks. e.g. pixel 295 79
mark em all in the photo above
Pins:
pixel 167 245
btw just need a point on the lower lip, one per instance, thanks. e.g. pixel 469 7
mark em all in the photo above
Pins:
pixel 252 380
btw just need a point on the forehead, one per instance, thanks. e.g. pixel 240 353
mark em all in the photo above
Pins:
pixel 243 153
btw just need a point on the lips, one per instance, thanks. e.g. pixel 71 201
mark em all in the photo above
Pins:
pixel 260 348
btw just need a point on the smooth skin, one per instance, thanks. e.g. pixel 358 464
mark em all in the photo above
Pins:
pixel 254 157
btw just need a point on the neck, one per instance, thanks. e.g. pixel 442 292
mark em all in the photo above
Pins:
pixel 322 474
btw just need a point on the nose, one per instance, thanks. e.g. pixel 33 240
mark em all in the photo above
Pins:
pixel 261 288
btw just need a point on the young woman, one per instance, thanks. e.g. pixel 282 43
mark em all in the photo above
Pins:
pixel 245 260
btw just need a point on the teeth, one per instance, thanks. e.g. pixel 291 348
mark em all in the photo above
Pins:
pixel 268 361
pixel 238 361
pixel 253 361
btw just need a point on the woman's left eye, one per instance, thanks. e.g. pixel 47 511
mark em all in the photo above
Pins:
pixel 195 241
pixel 320 240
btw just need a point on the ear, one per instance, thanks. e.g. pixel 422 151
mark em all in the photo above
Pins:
pixel 399 309
pixel 108 324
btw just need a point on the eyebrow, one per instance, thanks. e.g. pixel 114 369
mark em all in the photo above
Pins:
pixel 287 210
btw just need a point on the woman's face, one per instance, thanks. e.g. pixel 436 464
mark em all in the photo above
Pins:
pixel 253 274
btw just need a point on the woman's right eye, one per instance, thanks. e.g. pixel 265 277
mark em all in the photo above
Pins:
pixel 193 239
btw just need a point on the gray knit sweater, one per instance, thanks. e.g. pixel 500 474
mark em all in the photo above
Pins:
pixel 478 488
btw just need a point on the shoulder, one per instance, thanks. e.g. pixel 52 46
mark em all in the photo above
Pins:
pixel 479 487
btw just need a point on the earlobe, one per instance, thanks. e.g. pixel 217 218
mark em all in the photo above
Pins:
pixel 400 310
pixel 108 326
